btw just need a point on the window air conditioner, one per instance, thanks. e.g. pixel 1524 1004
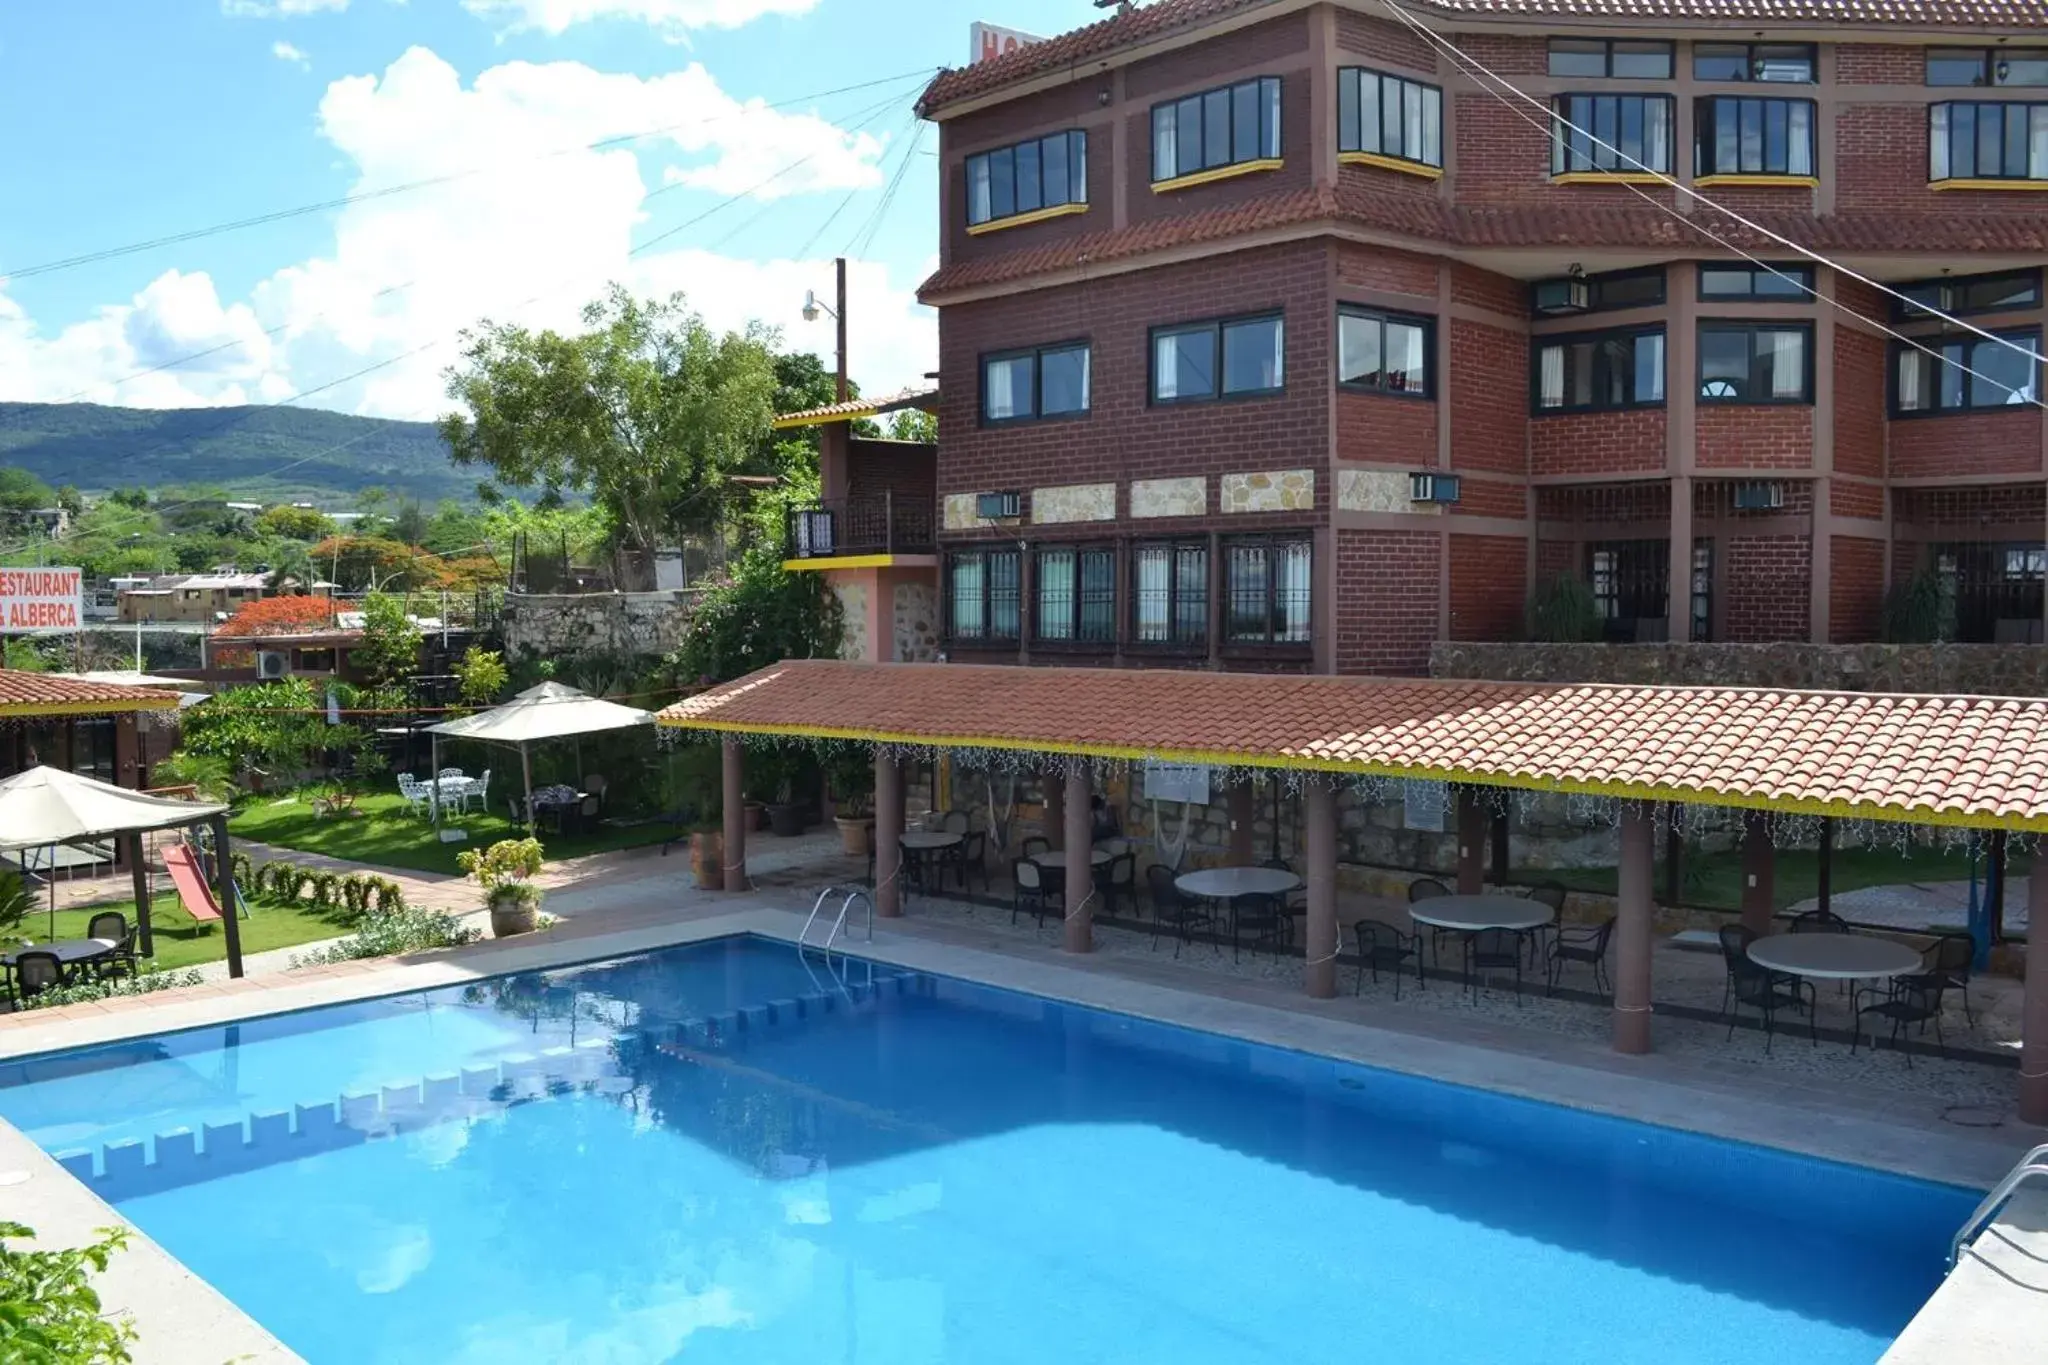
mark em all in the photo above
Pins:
pixel 1432 487
pixel 999 506
pixel 273 663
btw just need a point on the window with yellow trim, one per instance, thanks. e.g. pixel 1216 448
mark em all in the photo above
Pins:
pixel 1623 133
pixel 1044 173
pixel 1389 116
pixel 1222 127
pixel 1742 135
pixel 1969 140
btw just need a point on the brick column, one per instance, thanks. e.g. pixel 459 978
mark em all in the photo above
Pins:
pixel 1678 603
pixel 1633 928
pixel 1472 832
pixel 2034 1015
pixel 1080 936
pixel 1243 816
pixel 1759 869
pixel 734 854
pixel 1319 814
pixel 888 835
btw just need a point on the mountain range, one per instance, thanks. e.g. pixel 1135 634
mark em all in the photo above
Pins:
pixel 261 453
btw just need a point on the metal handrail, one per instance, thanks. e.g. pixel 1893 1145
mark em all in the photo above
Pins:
pixel 2033 1163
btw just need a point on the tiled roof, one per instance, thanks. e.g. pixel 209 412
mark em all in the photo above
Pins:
pixel 1625 225
pixel 926 398
pixel 1944 759
pixel 44 694
pixel 1145 23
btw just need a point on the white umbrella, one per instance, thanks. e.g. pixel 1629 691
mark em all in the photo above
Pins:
pixel 548 711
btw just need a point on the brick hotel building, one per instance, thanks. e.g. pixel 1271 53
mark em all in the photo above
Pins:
pixel 1271 336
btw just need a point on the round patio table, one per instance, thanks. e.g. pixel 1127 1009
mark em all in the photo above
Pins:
pixel 1834 957
pixel 1229 883
pixel 1057 857
pixel 926 841
pixel 1470 914
pixel 926 848
pixel 70 952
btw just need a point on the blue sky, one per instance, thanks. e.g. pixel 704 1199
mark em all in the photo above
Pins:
pixel 126 120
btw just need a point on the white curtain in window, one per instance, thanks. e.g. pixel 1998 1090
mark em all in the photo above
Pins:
pixel 1166 366
pixel 978 208
pixel 2037 142
pixel 1165 136
pixel 1056 595
pixel 1411 121
pixel 1404 358
pixel 1656 135
pixel 1788 363
pixel 1272 128
pixel 1937 144
pixel 1294 591
pixel 1001 399
pixel 1799 137
pixel 1433 127
pixel 1912 380
pixel 967 598
pixel 1154 593
pixel 1550 382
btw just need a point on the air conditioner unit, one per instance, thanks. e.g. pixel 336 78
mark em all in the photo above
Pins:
pixel 1759 497
pixel 1561 297
pixel 1006 506
pixel 273 663
pixel 1431 487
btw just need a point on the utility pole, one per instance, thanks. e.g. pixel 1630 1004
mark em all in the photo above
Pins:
pixel 839 316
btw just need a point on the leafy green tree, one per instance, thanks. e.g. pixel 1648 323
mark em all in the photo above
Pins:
pixel 456 530
pixel 49 1312
pixel 130 497
pixel 294 523
pixel 71 500
pixel 410 525
pixel 482 676
pixel 268 727
pixel 646 410
pixel 913 424
pixel 23 655
pixel 21 490
pixel 390 647
pixel 760 616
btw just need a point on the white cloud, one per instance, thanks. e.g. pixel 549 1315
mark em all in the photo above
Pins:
pixel 671 19
pixel 286 52
pixel 277 9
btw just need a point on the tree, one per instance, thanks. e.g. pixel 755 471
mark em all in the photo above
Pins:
pixel 130 497
pixel 23 655
pixel 390 647
pixel 71 500
pixel 482 675
pixel 410 525
pixel 294 615
pixel 294 523
pixel 913 424
pixel 21 490
pixel 762 615
pixel 49 1312
pixel 647 410
pixel 275 727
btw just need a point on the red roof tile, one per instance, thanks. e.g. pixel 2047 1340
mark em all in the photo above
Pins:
pixel 1145 23
pixel 1951 759
pixel 41 694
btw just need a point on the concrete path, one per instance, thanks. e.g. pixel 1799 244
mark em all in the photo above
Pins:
pixel 1924 905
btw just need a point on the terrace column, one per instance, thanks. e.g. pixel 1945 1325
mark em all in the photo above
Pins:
pixel 734 854
pixel 139 870
pixel 1054 794
pixel 1759 867
pixel 224 894
pixel 1472 832
pixel 1632 929
pixel 2034 1015
pixel 1080 899
pixel 1319 814
pixel 888 835
pixel 1243 813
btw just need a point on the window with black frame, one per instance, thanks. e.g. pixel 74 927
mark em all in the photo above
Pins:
pixel 1742 282
pixel 1965 295
pixel 1987 141
pixel 1743 135
pixel 1383 352
pixel 1384 115
pixel 1593 371
pixel 1185 359
pixel 1624 134
pixel 1029 177
pixel 1024 385
pixel 92 747
pixel 1267 590
pixel 1756 362
pixel 1631 581
pixel 1932 375
pixel 983 596
pixel 1216 128
pixel 2020 66
pixel 1790 63
pixel 1076 592
pixel 1991 591
pixel 1170 594
pixel 1611 58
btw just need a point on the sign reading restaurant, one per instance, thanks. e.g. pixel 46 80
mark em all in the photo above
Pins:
pixel 41 600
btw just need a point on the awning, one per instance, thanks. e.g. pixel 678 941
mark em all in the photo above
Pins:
pixel 50 806
pixel 548 711
pixel 1957 760
pixel 853 408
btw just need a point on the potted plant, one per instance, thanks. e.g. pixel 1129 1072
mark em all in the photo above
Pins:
pixel 505 871
pixel 707 857
pixel 773 774
pixel 851 775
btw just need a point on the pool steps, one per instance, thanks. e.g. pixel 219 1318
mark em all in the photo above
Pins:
pixel 179 1156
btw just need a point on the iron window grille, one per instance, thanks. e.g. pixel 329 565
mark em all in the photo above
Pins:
pixel 1620 133
pixel 1631 581
pixel 1170 594
pixel 1964 295
pixel 983 595
pixel 1044 173
pixel 1185 355
pixel 1221 127
pixel 1991 592
pixel 1025 385
pixel 1611 59
pixel 1966 373
pixel 1598 371
pixel 1390 116
pixel 1741 282
pixel 1970 140
pixel 1702 591
pixel 1755 362
pixel 1384 352
pixel 1746 135
pixel 1076 595
pixel 1268 590
pixel 1981 66
pixel 1792 63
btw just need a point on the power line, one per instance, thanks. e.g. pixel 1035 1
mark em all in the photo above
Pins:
pixel 888 197
pixel 452 177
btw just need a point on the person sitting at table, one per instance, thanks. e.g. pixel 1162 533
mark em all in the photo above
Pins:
pixel 1102 821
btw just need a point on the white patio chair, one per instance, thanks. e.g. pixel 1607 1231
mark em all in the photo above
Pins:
pixel 415 795
pixel 478 789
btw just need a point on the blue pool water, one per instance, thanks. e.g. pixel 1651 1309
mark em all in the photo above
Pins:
pixel 707 1154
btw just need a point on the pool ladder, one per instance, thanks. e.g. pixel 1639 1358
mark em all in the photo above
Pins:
pixel 849 895
pixel 2034 1163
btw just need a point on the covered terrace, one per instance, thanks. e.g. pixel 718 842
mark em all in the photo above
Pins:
pixel 1973 762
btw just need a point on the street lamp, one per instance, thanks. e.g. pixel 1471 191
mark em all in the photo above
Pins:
pixel 812 308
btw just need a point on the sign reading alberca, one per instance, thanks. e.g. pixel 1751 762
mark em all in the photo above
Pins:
pixel 33 600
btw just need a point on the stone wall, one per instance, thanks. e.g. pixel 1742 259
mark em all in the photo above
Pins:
pixel 916 623
pixel 562 625
pixel 1986 670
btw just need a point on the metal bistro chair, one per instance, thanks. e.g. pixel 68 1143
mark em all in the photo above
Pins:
pixel 1949 961
pixel 1037 843
pixel 1116 881
pixel 1294 903
pixel 1382 945
pixel 36 972
pixel 1494 950
pixel 1428 889
pixel 1264 917
pixel 954 822
pixel 1029 893
pixel 1173 911
pixel 1587 944
pixel 971 857
pixel 1818 922
pixel 1908 1000
pixel 1759 987
pixel 1552 895
pixel 113 926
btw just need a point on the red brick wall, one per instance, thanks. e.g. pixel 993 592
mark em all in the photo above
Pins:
pixel 1386 600
pixel 1554 557
pixel 1380 427
pixel 1390 272
pixel 1365 41
pixel 1489 408
pixel 1763 581
pixel 1492 498
pixel 1483 289
pixel 1855 589
pixel 1859 387
pixel 962 246
pixel 1856 500
pixel 1735 436
pixel 1992 442
pixel 1487 586
pixel 1714 500
pixel 1879 64
pixel 908 470
pixel 1970 507
pixel 1592 442
pixel 1881 162
pixel 1648 501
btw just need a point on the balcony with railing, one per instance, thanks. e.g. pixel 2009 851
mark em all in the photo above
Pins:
pixel 861 527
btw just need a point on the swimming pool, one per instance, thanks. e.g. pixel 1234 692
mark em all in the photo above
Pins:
pixel 712 1153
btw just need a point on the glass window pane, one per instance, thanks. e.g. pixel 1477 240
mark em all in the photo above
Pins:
pixel 1550 382
pixel 2020 68
pixel 1244 122
pixel 1649 378
pixel 1799 134
pixel 1188 113
pixel 1153 575
pixel 1098 595
pixel 1406 361
pixel 1184 364
pixel 1030 186
pixel 1433 126
pixel 1006 388
pixel 1269 118
pixel 1724 365
pixel 1720 62
pixel 1004 602
pixel 2002 375
pixel 1358 350
pixel 977 189
pixel 1962 140
pixel 1056 594
pixel 1752 153
pixel 1002 183
pixel 1054 168
pixel 1190 594
pixel 968 619
pixel 1411 120
pixel 1164 140
pixel 1293 594
pixel 1642 61
pixel 1063 380
pixel 1950 375
pixel 1724 282
pixel 1347 111
pixel 1937 142
pixel 1781 360
pixel 1913 390
pixel 1077 156
pixel 1216 128
pixel 1990 139
pixel 1371 137
pixel 1784 62
pixel 1578 57
pixel 1955 66
pixel 1252 357
pixel 2037 142
pixel 1657 134
pixel 1786 282
pixel 1246 593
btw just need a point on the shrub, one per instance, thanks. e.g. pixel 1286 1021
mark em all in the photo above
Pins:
pixel 325 886
pixel 1564 611
pixel 388 896
pixel 244 872
pixel 388 933
pixel 49 1312
pixel 355 894
pixel 106 990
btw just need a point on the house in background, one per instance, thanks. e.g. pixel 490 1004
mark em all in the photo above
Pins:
pixel 190 597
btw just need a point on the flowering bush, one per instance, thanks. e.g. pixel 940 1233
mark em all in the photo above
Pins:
pixel 387 933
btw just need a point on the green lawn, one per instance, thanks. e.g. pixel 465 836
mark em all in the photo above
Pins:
pixel 1714 880
pixel 182 941
pixel 383 832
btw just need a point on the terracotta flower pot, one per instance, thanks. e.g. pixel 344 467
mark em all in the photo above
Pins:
pixel 855 833
pixel 513 912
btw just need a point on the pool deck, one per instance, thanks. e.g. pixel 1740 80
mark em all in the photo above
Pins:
pixel 1993 1310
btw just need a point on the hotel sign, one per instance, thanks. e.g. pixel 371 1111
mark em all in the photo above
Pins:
pixel 986 42
pixel 34 601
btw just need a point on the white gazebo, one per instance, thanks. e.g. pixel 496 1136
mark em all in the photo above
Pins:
pixel 45 806
pixel 544 712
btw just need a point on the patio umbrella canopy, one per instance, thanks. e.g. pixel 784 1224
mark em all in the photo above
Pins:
pixel 547 711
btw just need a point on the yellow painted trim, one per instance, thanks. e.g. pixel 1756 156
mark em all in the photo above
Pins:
pixel 842 562
pixel 1526 782
pixel 1811 182
pixel 2021 185
pixel 86 708
pixel 1026 219
pixel 1208 177
pixel 1608 178
pixel 1390 163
